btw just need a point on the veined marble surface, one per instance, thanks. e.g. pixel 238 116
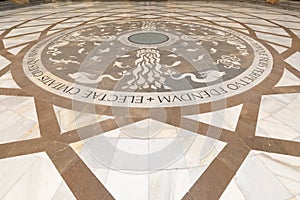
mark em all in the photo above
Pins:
pixel 153 177
pixel 32 176
pixel 278 117
pixel 246 147
pixel 18 118
pixel 277 174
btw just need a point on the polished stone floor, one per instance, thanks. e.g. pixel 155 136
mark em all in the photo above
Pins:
pixel 150 101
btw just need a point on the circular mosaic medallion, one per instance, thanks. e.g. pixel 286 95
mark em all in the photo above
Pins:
pixel 147 63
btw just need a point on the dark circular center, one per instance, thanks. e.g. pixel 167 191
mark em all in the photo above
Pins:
pixel 148 38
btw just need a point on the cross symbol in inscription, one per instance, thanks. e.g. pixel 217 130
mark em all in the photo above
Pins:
pixel 150 99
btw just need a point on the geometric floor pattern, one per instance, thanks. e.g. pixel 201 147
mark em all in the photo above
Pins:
pixel 243 146
pixel 197 153
pixel 274 171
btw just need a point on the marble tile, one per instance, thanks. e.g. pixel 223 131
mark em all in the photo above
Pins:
pixel 296 31
pixel 124 186
pixel 40 22
pixel 152 160
pixel 207 8
pixel 171 150
pixel 123 9
pixel 289 24
pixel 3 62
pixel 201 14
pixel 79 19
pixel 16 50
pixel 237 15
pixel 65 25
pixel 253 23
pixel 63 192
pixel 86 153
pixel 147 128
pixel 234 15
pixel 288 79
pixel 30 15
pixel 7 81
pixel 285 168
pixel 294 60
pixel 226 118
pixel 169 184
pixel 25 17
pixel 7 25
pixel 285 41
pixel 232 192
pixel 190 18
pixel 120 184
pixel 171 14
pixel 10 19
pixel 266 176
pixel 196 172
pixel 10 42
pixel 278 117
pixel 53 31
pixel 148 167
pixel 278 48
pixel 31 177
pixel 40 11
pixel 245 31
pixel 21 111
pixel 62 15
pixel 108 18
pixel 280 17
pixel 268 29
pixel 97 14
pixel 200 151
pixel 217 19
pixel 69 119
pixel 127 15
pixel 161 130
pixel 231 24
pixel 27 30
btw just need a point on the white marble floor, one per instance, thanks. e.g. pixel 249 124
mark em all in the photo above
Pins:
pixel 246 149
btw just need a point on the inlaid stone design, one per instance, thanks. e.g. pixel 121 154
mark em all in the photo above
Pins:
pixel 147 63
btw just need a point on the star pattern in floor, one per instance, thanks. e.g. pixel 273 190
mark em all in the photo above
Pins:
pixel 149 127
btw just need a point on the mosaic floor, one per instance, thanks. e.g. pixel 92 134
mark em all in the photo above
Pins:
pixel 150 101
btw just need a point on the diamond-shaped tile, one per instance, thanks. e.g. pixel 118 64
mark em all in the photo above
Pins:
pixel 231 24
pixel 21 111
pixel 265 176
pixel 285 41
pixel 278 117
pixel 10 42
pixel 7 81
pixel 226 118
pixel 297 32
pixel 294 60
pixel 288 79
pixel 27 30
pixel 69 119
pixel 32 177
pixel 3 62
pixel 66 25
pixel 144 165
pixel 16 50
pixel 279 49
pixel 7 25
pixel 268 29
